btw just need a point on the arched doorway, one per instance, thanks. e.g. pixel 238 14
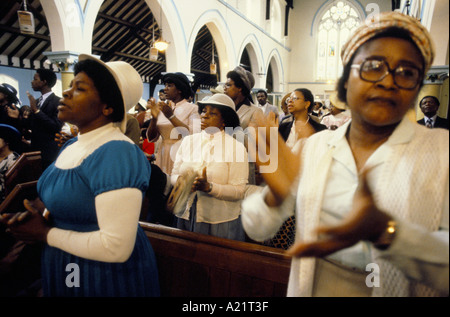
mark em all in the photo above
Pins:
pixel 124 30
pixel 204 53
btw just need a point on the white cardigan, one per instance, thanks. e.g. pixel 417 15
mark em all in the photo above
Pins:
pixel 411 185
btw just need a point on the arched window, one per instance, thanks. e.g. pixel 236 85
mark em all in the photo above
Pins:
pixel 335 25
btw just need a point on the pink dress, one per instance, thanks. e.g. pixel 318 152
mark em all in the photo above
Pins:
pixel 188 114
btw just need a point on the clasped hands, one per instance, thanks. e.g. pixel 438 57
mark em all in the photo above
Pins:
pixel 365 222
pixel 29 226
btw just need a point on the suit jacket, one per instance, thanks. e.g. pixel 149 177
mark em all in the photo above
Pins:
pixel 247 113
pixel 270 108
pixel 44 125
pixel 440 123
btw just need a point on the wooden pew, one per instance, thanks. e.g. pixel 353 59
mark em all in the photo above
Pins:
pixel 197 265
pixel 25 169
pixel 14 201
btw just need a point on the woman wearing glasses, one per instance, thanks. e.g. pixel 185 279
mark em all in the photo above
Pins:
pixel 300 105
pixel 370 198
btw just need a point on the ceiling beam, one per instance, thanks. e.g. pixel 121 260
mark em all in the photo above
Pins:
pixel 17 31
pixel 147 59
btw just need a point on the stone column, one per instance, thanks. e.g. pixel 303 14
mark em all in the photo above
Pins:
pixel 65 61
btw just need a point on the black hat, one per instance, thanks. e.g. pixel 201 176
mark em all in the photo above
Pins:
pixel 10 92
pixel 11 135
pixel 181 82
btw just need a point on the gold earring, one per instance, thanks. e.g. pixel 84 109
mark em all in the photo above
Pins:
pixel 107 111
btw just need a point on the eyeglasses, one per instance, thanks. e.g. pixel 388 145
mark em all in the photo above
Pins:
pixel 293 99
pixel 373 70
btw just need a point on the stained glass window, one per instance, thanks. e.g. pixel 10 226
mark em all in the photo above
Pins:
pixel 335 26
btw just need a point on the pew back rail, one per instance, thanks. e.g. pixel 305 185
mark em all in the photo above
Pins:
pixel 197 265
pixel 25 169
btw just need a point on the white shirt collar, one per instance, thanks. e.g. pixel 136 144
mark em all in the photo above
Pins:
pixel 107 128
pixel 209 136
pixel 45 96
pixel 403 133
pixel 432 118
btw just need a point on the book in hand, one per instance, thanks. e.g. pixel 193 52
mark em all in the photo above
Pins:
pixel 14 201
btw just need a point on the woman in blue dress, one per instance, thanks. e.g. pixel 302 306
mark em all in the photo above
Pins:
pixel 93 193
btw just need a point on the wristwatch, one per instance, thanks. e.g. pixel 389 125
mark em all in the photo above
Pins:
pixel 386 238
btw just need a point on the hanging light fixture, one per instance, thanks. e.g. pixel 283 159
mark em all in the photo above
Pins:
pixel 213 66
pixel 153 53
pixel 26 20
pixel 153 49
pixel 161 45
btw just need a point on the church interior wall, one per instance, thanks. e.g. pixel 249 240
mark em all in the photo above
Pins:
pixel 241 24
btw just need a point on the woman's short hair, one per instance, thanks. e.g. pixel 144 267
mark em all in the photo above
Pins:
pixel 390 32
pixel 308 96
pixel 105 84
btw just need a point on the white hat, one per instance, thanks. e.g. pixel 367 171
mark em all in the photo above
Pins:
pixel 127 79
pixel 217 90
pixel 224 102
pixel 219 100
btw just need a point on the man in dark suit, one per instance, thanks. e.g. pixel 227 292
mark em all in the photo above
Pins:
pixel 429 106
pixel 44 116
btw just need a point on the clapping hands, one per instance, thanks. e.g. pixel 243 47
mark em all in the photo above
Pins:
pixel 28 226
pixel 201 183
pixel 365 222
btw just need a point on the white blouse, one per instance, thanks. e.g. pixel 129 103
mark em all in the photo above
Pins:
pixel 226 163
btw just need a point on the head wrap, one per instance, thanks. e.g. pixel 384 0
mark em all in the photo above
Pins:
pixel 380 23
pixel 246 77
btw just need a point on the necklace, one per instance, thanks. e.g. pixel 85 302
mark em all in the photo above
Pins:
pixel 303 124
